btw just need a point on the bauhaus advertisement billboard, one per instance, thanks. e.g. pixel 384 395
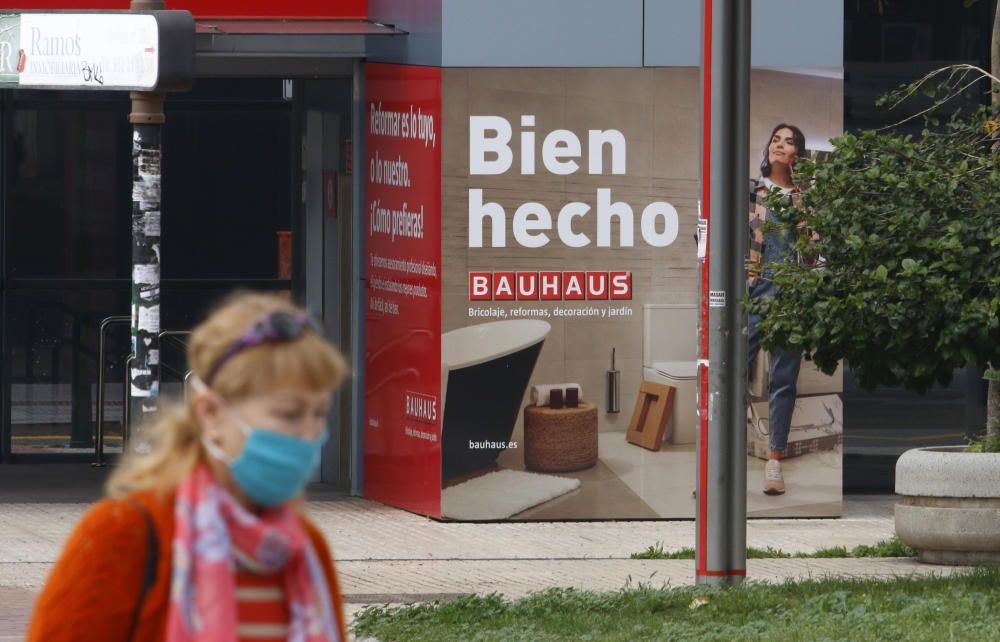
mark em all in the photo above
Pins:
pixel 567 248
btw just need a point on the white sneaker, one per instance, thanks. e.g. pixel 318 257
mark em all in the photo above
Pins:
pixel 774 483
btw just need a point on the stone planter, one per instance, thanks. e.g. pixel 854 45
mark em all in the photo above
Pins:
pixel 949 508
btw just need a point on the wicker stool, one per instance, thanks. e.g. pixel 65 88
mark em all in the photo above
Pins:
pixel 560 440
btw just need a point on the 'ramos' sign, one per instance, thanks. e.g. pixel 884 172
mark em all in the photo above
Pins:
pixel 117 51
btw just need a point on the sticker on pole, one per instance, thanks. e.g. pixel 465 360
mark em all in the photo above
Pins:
pixel 702 237
pixel 717 298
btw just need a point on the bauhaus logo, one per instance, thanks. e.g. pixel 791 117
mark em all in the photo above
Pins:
pixel 421 407
pixel 550 286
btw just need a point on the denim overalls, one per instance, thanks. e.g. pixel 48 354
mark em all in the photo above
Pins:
pixel 784 370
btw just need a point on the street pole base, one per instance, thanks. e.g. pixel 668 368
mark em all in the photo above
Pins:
pixel 722 581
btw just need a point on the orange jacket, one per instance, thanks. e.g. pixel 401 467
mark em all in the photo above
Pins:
pixel 92 592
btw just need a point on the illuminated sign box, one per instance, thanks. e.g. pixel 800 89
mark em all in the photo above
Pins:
pixel 97 50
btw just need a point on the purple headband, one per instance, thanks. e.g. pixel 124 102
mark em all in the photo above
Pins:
pixel 274 327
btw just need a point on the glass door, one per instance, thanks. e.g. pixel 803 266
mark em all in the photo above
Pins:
pixel 328 240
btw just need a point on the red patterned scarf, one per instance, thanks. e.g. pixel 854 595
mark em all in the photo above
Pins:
pixel 214 534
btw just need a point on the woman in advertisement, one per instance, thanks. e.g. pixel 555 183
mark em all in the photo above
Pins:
pixel 766 247
pixel 203 538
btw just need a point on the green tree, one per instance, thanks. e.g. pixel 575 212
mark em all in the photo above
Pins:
pixel 902 274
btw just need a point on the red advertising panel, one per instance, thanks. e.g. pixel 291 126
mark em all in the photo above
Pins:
pixel 219 8
pixel 403 404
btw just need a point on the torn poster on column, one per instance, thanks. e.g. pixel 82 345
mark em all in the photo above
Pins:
pixel 154 390
pixel 146 273
pixel 149 319
pixel 151 223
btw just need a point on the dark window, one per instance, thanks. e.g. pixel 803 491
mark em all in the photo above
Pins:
pixel 64 216
pixel 227 192
pixel 887 44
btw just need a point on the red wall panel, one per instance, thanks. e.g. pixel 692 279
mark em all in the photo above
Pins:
pixel 403 330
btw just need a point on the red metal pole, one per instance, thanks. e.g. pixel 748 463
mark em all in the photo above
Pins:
pixel 703 227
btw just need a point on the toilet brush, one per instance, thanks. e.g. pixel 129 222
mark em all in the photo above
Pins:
pixel 614 386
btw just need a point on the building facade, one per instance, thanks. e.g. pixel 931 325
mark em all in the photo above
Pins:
pixel 267 185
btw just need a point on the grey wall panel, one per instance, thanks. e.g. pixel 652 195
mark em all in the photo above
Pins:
pixel 542 33
pixel 420 18
pixel 673 33
pixel 596 33
pixel 797 33
pixel 786 33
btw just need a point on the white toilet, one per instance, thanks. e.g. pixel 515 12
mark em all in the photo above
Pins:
pixel 669 356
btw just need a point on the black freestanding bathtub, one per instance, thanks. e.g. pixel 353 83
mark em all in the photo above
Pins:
pixel 485 371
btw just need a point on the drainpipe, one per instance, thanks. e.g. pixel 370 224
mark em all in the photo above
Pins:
pixel 147 118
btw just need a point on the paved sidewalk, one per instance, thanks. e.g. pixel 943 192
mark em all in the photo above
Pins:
pixel 388 555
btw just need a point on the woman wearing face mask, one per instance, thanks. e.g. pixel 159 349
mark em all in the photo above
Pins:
pixel 784 146
pixel 202 539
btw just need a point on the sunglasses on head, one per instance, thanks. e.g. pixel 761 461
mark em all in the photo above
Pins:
pixel 273 327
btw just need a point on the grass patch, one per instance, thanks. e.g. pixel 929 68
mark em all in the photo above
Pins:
pixel 960 607
pixel 832 551
pixel 764 553
pixel 886 548
pixel 656 552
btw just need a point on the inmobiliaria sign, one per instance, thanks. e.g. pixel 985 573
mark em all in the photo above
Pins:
pixel 555 379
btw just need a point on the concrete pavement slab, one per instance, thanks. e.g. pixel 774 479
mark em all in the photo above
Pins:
pixel 394 581
pixel 387 555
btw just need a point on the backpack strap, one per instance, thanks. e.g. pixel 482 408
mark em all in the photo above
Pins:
pixel 149 575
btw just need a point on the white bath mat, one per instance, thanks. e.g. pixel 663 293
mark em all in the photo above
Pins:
pixel 501 494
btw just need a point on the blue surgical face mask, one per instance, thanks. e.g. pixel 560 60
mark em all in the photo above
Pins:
pixel 273 467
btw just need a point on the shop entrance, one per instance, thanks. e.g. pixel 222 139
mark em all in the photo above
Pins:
pixel 256 195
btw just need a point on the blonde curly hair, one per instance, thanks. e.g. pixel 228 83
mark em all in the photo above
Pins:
pixel 309 362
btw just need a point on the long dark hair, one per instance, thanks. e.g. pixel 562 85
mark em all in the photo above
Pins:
pixel 800 146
